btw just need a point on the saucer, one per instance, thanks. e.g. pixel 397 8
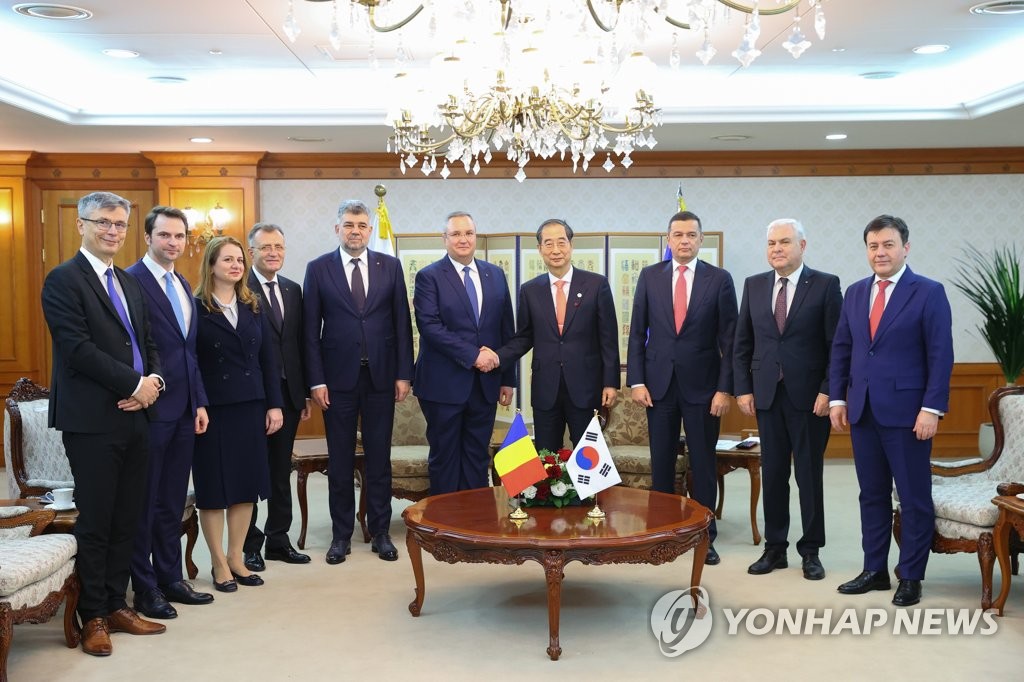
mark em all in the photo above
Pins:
pixel 55 507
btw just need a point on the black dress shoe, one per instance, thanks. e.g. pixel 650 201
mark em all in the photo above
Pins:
pixel 813 570
pixel 385 549
pixel 867 581
pixel 712 559
pixel 287 555
pixel 251 580
pixel 226 586
pixel 769 561
pixel 338 551
pixel 153 604
pixel 908 592
pixel 183 593
pixel 254 562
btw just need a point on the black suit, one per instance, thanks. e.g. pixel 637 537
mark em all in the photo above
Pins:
pixel 785 372
pixel 286 340
pixel 569 370
pixel 106 446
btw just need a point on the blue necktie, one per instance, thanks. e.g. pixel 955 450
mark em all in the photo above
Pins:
pixel 119 307
pixel 471 290
pixel 172 294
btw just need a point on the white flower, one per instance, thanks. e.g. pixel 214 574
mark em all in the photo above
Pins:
pixel 559 489
pixel 530 492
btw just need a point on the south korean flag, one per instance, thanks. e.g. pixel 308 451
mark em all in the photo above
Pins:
pixel 591 467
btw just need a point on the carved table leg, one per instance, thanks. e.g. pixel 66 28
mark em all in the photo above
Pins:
pixel 754 468
pixel 191 536
pixel 986 558
pixel 300 487
pixel 721 492
pixel 700 553
pixel 1001 538
pixel 416 557
pixel 554 563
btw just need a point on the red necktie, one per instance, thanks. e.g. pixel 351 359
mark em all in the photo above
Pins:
pixel 679 301
pixel 878 307
pixel 560 303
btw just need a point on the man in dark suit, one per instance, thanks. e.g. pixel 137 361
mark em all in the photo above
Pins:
pixel 106 373
pixel 358 337
pixel 283 299
pixel 783 340
pixel 567 316
pixel 892 358
pixel 679 359
pixel 174 420
pixel 462 304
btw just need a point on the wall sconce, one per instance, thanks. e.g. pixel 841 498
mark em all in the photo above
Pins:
pixel 203 228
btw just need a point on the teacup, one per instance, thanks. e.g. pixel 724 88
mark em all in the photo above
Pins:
pixel 63 498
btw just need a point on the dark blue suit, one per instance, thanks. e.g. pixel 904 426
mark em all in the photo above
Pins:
pixel 156 558
pixel 682 371
pixel 458 401
pixel 885 383
pixel 360 393
pixel 569 370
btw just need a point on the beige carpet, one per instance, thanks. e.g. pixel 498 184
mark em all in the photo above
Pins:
pixel 319 622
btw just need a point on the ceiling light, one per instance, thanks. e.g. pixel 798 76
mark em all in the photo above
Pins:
pixel 45 10
pixel 216 53
pixel 836 136
pixel 201 140
pixel 839 49
pixel 121 54
pixel 999 7
pixel 731 138
pixel 931 49
pixel 878 75
pixel 167 80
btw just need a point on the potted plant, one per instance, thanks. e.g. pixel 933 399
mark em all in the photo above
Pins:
pixel 993 284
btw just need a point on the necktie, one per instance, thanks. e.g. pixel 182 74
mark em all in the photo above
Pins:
pixel 276 314
pixel 878 307
pixel 780 304
pixel 358 288
pixel 471 290
pixel 679 301
pixel 560 303
pixel 172 296
pixel 123 314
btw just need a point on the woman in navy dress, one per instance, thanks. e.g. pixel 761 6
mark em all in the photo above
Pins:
pixel 243 384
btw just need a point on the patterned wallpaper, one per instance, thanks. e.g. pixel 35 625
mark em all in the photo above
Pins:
pixel 944 214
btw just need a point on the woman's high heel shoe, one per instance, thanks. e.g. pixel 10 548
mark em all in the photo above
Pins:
pixel 226 586
pixel 251 580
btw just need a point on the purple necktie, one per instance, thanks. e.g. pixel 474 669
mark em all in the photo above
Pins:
pixel 119 307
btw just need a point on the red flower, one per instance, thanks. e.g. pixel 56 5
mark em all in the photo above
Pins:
pixel 549 460
pixel 554 471
pixel 543 490
pixel 564 455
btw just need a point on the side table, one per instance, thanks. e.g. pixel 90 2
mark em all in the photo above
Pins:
pixel 1011 515
pixel 309 455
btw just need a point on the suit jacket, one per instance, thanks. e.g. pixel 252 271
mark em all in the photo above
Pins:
pixel 237 364
pixel 450 339
pixel 587 351
pixel 287 340
pixel 184 385
pixel 701 353
pixel 332 324
pixel 907 365
pixel 92 355
pixel 803 348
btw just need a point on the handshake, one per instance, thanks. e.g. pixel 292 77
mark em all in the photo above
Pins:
pixel 486 360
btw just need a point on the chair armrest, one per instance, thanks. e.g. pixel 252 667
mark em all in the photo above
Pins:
pixel 1010 488
pixel 960 467
pixel 38 520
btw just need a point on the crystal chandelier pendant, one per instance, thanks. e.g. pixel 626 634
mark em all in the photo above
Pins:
pixel 707 51
pixel 445 172
pixel 291 27
pixel 520 175
pixel 797 42
pixel 608 164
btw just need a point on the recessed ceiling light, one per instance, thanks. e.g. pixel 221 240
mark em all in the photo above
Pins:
pixel 46 10
pixel 298 138
pixel 201 140
pixel 216 53
pixel 999 7
pixel 121 54
pixel 930 49
pixel 836 136
pixel 839 49
pixel 167 80
pixel 878 75
pixel 731 138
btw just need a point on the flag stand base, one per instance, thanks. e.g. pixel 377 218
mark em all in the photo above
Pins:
pixel 518 514
pixel 595 513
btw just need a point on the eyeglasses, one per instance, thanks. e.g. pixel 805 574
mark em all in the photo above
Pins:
pixel 105 225
pixel 549 245
pixel 271 248
pixel 460 235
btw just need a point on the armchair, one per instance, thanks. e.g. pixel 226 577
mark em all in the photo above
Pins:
pixel 962 493
pixel 37 573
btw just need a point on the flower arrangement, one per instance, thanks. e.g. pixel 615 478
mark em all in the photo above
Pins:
pixel 557 489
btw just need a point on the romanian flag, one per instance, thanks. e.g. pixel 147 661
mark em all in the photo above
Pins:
pixel 517 462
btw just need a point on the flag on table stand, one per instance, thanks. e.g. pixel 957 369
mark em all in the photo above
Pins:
pixel 382 237
pixel 517 462
pixel 590 466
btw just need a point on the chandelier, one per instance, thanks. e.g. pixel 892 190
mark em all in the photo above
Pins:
pixel 535 78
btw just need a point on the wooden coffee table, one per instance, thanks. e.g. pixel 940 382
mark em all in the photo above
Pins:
pixel 473 526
